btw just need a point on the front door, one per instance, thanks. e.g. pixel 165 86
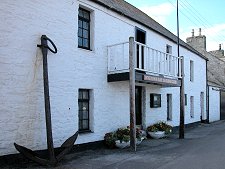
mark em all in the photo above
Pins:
pixel 202 101
pixel 138 105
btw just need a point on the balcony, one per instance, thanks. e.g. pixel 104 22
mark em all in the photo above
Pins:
pixel 151 65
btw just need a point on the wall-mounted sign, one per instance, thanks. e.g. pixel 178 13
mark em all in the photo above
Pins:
pixel 155 100
pixel 161 80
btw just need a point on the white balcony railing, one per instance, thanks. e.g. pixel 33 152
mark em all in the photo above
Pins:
pixel 147 59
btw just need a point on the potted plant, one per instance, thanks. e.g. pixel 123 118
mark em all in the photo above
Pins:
pixel 123 137
pixel 109 140
pixel 159 130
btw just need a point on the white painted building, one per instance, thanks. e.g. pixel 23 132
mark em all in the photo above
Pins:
pixel 215 76
pixel 101 69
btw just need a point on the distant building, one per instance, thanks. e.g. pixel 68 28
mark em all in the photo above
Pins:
pixel 215 76
pixel 218 53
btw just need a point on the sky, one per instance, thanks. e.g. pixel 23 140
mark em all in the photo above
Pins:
pixel 209 15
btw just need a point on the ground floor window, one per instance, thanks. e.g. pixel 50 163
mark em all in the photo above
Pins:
pixel 185 99
pixel 192 106
pixel 83 103
pixel 169 106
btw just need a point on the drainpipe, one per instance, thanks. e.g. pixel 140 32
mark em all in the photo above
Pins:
pixel 207 94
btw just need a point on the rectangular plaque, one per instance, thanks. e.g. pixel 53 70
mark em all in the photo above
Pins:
pixel 161 80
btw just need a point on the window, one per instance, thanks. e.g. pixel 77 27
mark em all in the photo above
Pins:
pixel 169 49
pixel 84 29
pixel 192 106
pixel 185 99
pixel 140 35
pixel 141 38
pixel 83 103
pixel 169 106
pixel 155 100
pixel 169 58
pixel 191 71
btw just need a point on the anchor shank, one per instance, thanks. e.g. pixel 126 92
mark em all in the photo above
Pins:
pixel 47 102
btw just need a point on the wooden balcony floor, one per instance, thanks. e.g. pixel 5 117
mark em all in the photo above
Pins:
pixel 142 77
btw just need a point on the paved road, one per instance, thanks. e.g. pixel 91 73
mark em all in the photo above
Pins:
pixel 202 148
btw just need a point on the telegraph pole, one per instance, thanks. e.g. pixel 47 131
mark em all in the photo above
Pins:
pixel 132 94
pixel 181 76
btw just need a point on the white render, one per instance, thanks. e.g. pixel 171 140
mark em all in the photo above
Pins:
pixel 214 104
pixel 21 86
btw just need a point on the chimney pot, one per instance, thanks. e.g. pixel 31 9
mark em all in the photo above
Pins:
pixel 200 31
pixel 193 32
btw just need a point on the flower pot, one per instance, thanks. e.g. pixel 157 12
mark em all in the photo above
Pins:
pixel 138 141
pixel 157 134
pixel 122 144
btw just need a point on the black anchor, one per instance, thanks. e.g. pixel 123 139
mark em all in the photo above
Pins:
pixel 68 144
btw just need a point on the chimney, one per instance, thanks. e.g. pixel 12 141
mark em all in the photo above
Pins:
pixel 200 32
pixel 219 46
pixel 193 32
pixel 198 42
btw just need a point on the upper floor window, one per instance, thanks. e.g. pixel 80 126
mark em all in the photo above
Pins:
pixel 191 71
pixel 169 58
pixel 84 29
pixel 169 49
pixel 140 35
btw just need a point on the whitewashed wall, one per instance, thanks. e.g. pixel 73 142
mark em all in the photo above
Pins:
pixel 196 87
pixel 214 104
pixel 21 86
pixel 154 115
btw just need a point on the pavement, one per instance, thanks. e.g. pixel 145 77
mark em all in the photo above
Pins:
pixel 202 148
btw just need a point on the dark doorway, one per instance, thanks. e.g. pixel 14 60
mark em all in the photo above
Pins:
pixel 202 105
pixel 222 105
pixel 141 38
pixel 138 105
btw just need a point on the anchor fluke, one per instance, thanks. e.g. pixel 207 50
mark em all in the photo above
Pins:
pixel 31 155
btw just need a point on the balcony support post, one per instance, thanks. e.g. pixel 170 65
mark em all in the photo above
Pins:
pixel 132 93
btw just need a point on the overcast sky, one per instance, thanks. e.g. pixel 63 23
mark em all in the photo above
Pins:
pixel 194 14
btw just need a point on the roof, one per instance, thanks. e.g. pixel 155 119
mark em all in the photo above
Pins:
pixel 214 81
pixel 124 8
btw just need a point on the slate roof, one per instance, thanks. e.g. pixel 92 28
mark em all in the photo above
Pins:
pixel 124 8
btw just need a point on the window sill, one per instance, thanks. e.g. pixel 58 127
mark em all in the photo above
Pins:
pixel 85 49
pixel 85 131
